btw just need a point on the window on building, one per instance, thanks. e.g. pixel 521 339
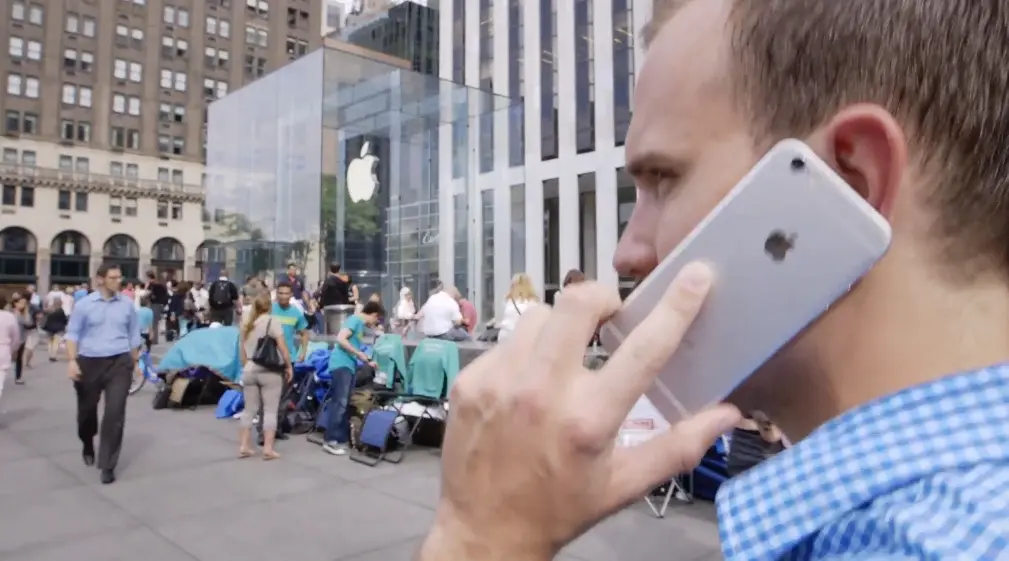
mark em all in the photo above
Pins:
pixel 164 143
pixel 28 158
pixel 17 47
pixel 27 196
pixel 211 26
pixel 120 69
pixel 137 38
pixel 81 202
pixel 82 165
pixel 119 103
pixel 177 176
pixel 66 162
pixel 296 47
pixel 10 155
pixel 12 121
pixel 176 210
pixel 30 123
pixel 163 175
pixel 88 27
pixel 115 206
pixel 179 114
pixel 70 59
pixel 133 139
pixel 224 28
pixel 34 50
pixel 87 62
pixel 133 106
pixel 164 112
pixel 68 130
pixel 63 200
pixel 32 87
pixel 118 137
pixel 131 206
pixel 84 96
pixel 168 15
pixel 10 195
pixel 162 210
pixel 180 81
pixel 132 171
pixel 136 72
pixel 18 11
pixel 69 94
pixel 116 169
pixel 83 131
pixel 166 79
pixel 14 84
pixel 122 36
pixel 35 14
pixel 73 23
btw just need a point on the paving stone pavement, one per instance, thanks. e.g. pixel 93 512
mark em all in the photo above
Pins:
pixel 181 495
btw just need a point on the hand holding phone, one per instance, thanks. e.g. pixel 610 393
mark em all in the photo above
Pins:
pixel 785 243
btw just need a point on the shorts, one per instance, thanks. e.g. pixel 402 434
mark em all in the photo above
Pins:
pixel 32 339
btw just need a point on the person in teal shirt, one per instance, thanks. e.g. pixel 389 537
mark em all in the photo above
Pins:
pixel 292 319
pixel 342 367
pixel 145 318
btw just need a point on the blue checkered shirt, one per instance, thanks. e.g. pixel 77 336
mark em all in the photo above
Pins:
pixel 920 474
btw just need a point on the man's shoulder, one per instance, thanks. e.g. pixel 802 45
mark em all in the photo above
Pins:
pixel 952 514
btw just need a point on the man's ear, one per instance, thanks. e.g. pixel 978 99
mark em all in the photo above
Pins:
pixel 866 146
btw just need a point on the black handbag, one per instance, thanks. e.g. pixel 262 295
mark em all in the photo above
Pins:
pixel 267 352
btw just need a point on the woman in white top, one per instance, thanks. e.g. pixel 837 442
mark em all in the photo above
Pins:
pixel 405 311
pixel 521 296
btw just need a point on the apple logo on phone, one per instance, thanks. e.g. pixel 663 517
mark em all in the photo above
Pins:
pixel 778 244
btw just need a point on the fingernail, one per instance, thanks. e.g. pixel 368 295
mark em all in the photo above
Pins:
pixel 696 277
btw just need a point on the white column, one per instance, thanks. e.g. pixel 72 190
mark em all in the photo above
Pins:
pixel 606 183
pixel 502 139
pixel 446 235
pixel 476 106
pixel 533 143
pixel 568 219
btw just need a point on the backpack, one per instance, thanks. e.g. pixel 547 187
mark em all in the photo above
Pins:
pixel 220 294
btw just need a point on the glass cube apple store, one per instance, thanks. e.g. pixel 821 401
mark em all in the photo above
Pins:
pixel 343 157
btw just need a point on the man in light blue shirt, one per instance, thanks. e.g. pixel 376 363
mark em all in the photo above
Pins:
pixel 103 339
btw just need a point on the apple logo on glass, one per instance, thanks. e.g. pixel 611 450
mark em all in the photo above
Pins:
pixel 361 179
pixel 778 244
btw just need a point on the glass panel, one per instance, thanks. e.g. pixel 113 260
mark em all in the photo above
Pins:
pixel 626 198
pixel 587 224
pixel 623 67
pixel 585 101
pixel 487 237
pixel 344 167
pixel 551 238
pixel 548 78
pixel 518 229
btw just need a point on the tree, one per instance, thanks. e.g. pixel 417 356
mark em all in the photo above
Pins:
pixel 361 218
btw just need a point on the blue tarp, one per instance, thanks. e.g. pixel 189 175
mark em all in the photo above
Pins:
pixel 215 349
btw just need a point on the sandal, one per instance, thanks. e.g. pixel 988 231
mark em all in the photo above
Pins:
pixel 267 456
pixel 244 453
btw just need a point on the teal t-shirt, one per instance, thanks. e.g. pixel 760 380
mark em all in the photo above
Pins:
pixel 293 321
pixel 145 318
pixel 340 358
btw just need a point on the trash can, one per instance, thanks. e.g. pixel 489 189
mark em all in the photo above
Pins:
pixel 335 315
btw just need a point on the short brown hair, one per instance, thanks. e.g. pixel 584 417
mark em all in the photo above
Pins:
pixel 937 65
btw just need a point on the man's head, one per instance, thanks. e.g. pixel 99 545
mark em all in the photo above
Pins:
pixel 284 293
pixel 151 275
pixel 109 277
pixel 372 312
pixel 31 289
pixel 905 100
pixel 334 269
pixel 453 292
pixel 292 270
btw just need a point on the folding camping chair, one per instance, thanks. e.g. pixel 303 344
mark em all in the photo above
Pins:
pixel 381 438
pixel 680 488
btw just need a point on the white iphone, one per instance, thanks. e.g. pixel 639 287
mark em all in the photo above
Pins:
pixel 787 241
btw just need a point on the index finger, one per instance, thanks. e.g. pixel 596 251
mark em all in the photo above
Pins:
pixel 577 314
pixel 636 363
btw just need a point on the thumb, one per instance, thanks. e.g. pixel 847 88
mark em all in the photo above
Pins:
pixel 639 469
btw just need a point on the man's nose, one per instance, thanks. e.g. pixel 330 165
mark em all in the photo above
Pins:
pixel 635 256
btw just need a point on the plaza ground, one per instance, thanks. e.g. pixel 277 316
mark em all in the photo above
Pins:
pixel 181 495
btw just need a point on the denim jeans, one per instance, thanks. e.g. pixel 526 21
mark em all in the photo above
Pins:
pixel 338 422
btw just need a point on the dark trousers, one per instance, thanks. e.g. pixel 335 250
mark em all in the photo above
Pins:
pixel 19 362
pixel 338 422
pixel 225 316
pixel 112 377
pixel 159 311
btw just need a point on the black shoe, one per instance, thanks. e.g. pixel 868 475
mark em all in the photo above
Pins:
pixel 108 476
pixel 282 436
pixel 88 454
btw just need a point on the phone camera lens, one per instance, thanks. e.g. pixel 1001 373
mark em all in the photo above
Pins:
pixel 798 164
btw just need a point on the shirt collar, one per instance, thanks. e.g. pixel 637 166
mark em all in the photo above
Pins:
pixel 921 430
